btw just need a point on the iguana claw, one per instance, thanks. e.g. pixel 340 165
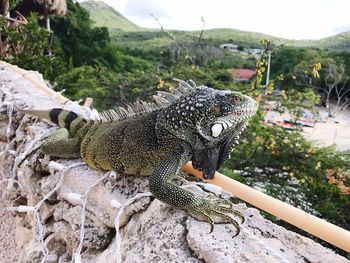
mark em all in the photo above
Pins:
pixel 212 207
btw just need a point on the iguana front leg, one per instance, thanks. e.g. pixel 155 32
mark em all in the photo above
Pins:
pixel 59 144
pixel 164 189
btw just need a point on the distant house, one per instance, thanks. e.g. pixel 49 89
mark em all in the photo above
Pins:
pixel 255 51
pixel 230 47
pixel 242 74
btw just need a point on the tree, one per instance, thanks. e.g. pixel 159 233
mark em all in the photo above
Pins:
pixel 336 87
pixel 75 36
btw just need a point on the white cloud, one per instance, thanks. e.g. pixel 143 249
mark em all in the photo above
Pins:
pixel 143 9
pixel 290 19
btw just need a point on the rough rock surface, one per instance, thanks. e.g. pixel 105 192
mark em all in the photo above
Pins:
pixel 150 230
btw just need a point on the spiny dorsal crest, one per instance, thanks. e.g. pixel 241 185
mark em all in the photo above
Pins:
pixel 162 100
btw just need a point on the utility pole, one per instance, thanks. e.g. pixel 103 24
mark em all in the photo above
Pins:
pixel 268 67
pixel 48 28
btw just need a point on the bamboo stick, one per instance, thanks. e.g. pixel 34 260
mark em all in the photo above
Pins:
pixel 320 228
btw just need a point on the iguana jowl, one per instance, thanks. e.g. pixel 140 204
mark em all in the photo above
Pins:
pixel 198 123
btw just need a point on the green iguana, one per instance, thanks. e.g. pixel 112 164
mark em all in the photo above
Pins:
pixel 156 139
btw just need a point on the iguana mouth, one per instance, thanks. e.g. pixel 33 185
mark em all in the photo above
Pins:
pixel 231 120
pixel 243 112
pixel 220 126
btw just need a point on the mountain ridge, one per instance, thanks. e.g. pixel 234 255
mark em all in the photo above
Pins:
pixel 104 15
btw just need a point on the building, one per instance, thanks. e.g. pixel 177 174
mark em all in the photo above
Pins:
pixel 242 74
pixel 230 47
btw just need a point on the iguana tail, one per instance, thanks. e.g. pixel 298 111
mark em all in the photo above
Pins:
pixel 63 118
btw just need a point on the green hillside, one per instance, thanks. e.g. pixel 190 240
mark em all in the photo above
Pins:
pixel 339 42
pixel 104 15
pixel 245 38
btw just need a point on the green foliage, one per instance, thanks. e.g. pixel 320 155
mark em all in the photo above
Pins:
pixel 14 3
pixel 82 44
pixel 27 47
pixel 301 69
pixel 87 81
pixel 108 89
pixel 84 62
pixel 79 41
pixel 93 59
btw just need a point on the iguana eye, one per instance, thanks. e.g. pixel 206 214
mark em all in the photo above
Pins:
pixel 236 99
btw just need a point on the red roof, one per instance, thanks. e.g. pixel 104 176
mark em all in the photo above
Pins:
pixel 242 74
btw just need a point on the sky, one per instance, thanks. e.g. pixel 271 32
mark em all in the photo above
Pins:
pixel 292 19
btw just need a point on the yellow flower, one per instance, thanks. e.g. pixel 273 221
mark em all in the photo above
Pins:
pixel 311 150
pixel 316 68
pixel 161 83
pixel 285 140
pixel 318 166
pixel 280 77
pixel 284 95
pixel 285 168
pixel 272 145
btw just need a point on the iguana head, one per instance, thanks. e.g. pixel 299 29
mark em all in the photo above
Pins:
pixel 210 121
pixel 211 114
pixel 227 112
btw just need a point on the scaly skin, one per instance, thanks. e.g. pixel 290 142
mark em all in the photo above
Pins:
pixel 201 125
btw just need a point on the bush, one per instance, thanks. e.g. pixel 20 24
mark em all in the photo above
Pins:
pixel 87 81
pixel 28 46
